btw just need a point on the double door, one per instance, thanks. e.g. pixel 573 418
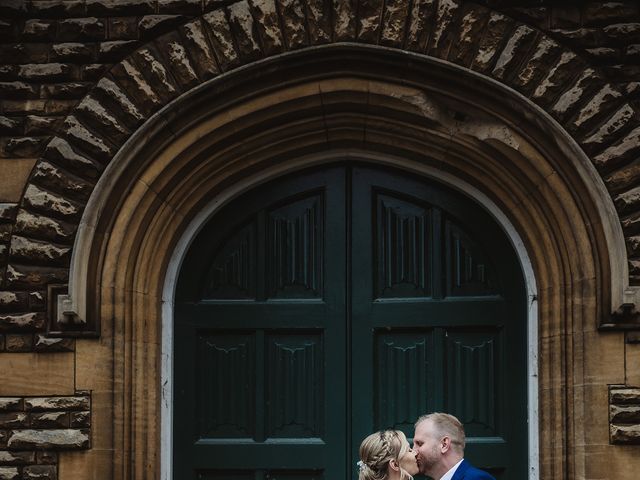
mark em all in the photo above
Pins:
pixel 323 306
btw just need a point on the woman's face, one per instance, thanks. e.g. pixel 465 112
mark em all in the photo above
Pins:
pixel 407 460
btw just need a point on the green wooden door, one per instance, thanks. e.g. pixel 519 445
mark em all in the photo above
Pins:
pixel 322 306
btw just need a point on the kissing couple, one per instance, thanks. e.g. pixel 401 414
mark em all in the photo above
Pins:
pixel 438 452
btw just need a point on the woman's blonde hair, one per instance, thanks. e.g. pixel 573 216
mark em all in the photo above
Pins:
pixel 377 450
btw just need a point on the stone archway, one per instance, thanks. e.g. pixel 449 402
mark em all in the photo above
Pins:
pixel 230 134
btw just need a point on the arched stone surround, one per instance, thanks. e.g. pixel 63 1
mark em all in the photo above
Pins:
pixel 282 114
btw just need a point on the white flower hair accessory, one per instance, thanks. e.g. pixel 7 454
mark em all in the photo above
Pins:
pixel 361 465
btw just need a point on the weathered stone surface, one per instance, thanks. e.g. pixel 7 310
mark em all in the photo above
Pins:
pixel 10 126
pixel 17 458
pixel 22 322
pixel 100 119
pixel 624 414
pixel 581 37
pixel 5 232
pixel 572 97
pixel 610 129
pixel 464 47
pixel 47 344
pixel 116 50
pixel 77 29
pixel 13 420
pixel 24 107
pixel 625 434
pixel 623 32
pixel 59 107
pixel 92 143
pixel 344 20
pixel 243 28
pixel 18 90
pixel 268 25
pixel 56 205
pixel 294 23
pixel 94 71
pixel 24 53
pixel 27 250
pixel 318 20
pixel 13 302
pixel 120 7
pixel 80 419
pixel 11 404
pixel 24 276
pixel 368 20
pixel 191 7
pixel 628 201
pixel 67 90
pixel 439 40
pixel 19 342
pixel 23 147
pixel 123 28
pixel 557 78
pixel 601 102
pixel 536 67
pixel 37 301
pixel 9 473
pixel 40 472
pixel 151 62
pixel 607 13
pixel 47 72
pixel 36 125
pixel 496 29
pixel 46 458
pixel 50 420
pixel 178 61
pixel 57 8
pixel 604 53
pixel 197 45
pixel 127 75
pixel 221 39
pixel 8 211
pixel 153 25
pixel 516 48
pixel 625 149
pixel 624 396
pixel 62 153
pixel 38 404
pixel 53 178
pixel 624 178
pixel 37 29
pixel 115 99
pixel 394 22
pixel 68 439
pixel 72 51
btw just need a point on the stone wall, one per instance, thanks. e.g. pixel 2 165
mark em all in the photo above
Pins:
pixel 34 429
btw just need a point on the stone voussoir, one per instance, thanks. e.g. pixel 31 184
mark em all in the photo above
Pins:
pixel 472 23
pixel 178 60
pixel 49 203
pixel 516 49
pixel 242 25
pixel 56 439
pixel 60 152
pixel 221 39
pixel 56 179
pixel 268 25
pixel 198 47
pixel 136 87
pixel 497 27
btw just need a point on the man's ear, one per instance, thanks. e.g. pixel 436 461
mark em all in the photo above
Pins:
pixel 445 444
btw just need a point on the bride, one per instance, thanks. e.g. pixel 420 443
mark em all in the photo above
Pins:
pixel 386 455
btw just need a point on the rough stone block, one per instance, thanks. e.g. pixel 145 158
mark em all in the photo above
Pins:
pixel 9 473
pixel 581 37
pixel 92 143
pixel 52 177
pixel 62 153
pixel 318 20
pixel 57 8
pixel 607 13
pixel 624 414
pixel 294 21
pixel 603 101
pixel 73 52
pixel 344 20
pixel 497 27
pixel 47 344
pixel 38 404
pixel 13 420
pixel 136 87
pixel 40 472
pixel 67 90
pixel 150 61
pixel 24 147
pixel 184 7
pixel 24 276
pixel 11 126
pixel 2 340
pixel 47 458
pixel 472 23
pixel 19 343
pixel 625 434
pixel 21 322
pixel 94 71
pixel 8 211
pixel 368 20
pixel 624 396
pixel 24 53
pixel 537 66
pixel 565 16
pixel 243 28
pixel 608 132
pixel 558 77
pixel 18 90
pixel 36 125
pixel 80 419
pixel 100 119
pixel 11 404
pixel 39 252
pixel 50 420
pixel 112 95
pixel 623 32
pixel 13 301
pixel 114 8
pixel 8 72
pixel 394 23
pixel 268 25
pixel 67 439
pixel 17 458
pixel 50 203
pixel 516 48
pixel 37 301
pixel 40 30
pixel 59 107
pixel 625 149
pixel 196 42
pixel 178 61
pixel 79 29
pixel 3 438
pixel 46 72
pixel 153 25
pixel 123 28
pixel 116 50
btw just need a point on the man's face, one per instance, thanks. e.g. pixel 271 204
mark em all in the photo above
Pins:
pixel 426 445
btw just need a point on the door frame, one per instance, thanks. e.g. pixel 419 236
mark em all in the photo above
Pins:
pixel 248 183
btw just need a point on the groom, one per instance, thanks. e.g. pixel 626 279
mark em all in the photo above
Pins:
pixel 439 445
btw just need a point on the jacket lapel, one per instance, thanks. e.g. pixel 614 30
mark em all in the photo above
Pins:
pixel 460 471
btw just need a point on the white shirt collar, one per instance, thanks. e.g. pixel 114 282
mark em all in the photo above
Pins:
pixel 452 470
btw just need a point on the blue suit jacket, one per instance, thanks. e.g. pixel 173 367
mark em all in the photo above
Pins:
pixel 467 471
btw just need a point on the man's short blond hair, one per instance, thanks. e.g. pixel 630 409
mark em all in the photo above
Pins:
pixel 446 425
